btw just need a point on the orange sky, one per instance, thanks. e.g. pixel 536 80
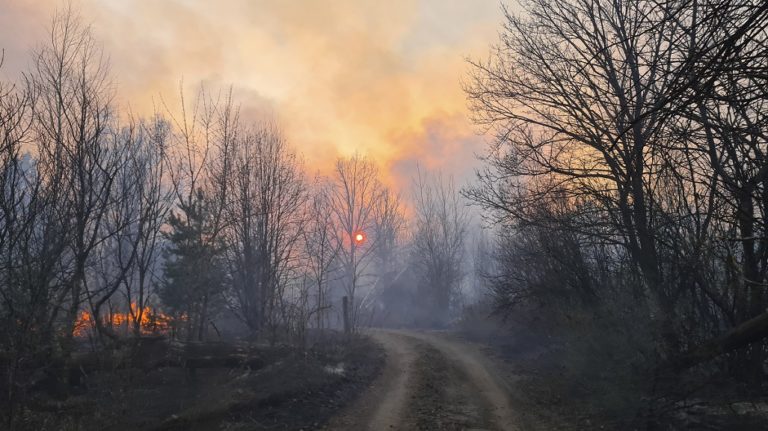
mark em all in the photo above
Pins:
pixel 379 77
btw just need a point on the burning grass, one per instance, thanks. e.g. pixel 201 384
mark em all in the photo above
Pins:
pixel 149 320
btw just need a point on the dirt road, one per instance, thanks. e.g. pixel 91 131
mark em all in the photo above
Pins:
pixel 430 382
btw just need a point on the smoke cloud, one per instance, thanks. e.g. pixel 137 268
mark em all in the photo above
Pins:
pixel 381 78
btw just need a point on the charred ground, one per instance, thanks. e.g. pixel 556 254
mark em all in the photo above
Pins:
pixel 210 386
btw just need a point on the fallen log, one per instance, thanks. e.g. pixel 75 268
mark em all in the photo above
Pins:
pixel 751 331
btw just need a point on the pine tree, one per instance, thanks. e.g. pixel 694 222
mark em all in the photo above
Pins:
pixel 193 273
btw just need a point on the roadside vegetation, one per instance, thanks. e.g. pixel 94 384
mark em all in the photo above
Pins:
pixel 626 186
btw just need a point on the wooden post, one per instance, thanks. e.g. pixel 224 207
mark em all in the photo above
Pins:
pixel 345 311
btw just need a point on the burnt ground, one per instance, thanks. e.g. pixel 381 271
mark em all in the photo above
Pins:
pixel 550 391
pixel 289 389
pixel 554 400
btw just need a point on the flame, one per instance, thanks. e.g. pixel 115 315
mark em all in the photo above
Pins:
pixel 151 321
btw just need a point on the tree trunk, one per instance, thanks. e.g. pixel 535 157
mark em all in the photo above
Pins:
pixel 751 331
pixel 345 312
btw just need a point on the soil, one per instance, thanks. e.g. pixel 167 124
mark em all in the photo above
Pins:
pixel 443 397
pixel 431 381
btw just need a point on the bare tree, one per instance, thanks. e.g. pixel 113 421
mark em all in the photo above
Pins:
pixel 115 255
pixel 727 121
pixel 321 247
pixel 136 216
pixel 388 228
pixel 72 120
pixel 355 195
pixel 148 167
pixel 635 130
pixel 439 231
pixel 33 242
pixel 264 216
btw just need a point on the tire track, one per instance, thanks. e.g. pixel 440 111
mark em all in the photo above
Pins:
pixel 430 382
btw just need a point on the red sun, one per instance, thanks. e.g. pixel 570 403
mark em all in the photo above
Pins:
pixel 359 237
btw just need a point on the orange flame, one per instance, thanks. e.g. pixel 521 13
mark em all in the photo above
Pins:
pixel 150 321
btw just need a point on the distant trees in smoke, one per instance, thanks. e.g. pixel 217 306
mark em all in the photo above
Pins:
pixel 355 193
pixel 321 251
pixel 113 227
pixel 628 177
pixel 440 226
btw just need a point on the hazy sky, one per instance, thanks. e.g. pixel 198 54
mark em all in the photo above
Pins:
pixel 379 77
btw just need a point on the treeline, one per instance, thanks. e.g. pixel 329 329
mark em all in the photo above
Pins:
pixel 113 228
pixel 629 181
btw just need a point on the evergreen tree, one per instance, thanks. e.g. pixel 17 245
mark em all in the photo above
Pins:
pixel 193 272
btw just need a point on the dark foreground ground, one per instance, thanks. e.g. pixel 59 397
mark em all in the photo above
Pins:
pixel 277 389
pixel 552 386
pixel 468 379
pixel 385 380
